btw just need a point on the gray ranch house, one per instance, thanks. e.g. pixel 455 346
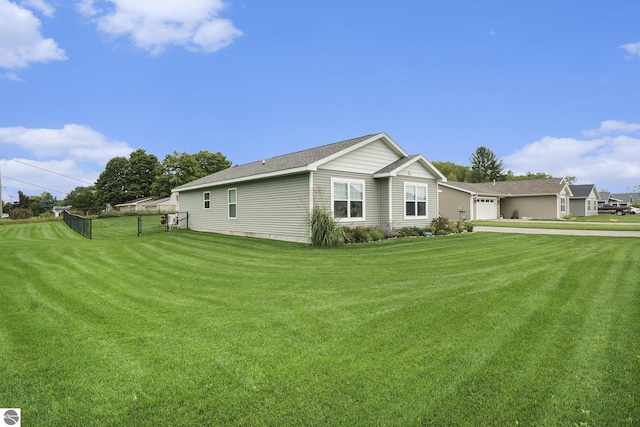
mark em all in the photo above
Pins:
pixel 534 198
pixel 584 201
pixel 366 181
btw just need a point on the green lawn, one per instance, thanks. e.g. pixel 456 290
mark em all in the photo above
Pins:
pixel 185 328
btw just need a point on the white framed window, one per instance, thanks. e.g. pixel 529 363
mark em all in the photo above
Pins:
pixel 347 199
pixel 563 204
pixel 206 200
pixel 233 203
pixel 588 205
pixel 415 200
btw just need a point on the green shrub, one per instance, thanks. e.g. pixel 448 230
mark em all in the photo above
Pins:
pixel 325 230
pixel 410 231
pixel 359 235
pixel 377 234
pixel 20 213
pixel 441 226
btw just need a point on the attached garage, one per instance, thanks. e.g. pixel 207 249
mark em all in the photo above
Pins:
pixel 486 208
pixel 532 198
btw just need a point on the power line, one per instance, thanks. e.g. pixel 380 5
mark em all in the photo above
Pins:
pixel 35 185
pixel 46 170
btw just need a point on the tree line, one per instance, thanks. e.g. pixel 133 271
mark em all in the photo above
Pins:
pixel 123 179
pixel 486 167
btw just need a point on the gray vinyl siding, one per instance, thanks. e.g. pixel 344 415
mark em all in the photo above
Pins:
pixel 274 208
pixel 322 194
pixel 450 202
pixel 579 207
pixel 366 160
pixel 540 207
pixel 398 201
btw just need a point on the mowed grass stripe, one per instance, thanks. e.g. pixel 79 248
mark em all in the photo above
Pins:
pixel 478 329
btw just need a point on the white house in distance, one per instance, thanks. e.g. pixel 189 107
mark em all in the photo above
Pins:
pixel 365 181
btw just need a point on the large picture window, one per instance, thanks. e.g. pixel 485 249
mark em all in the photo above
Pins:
pixel 206 200
pixel 415 200
pixel 233 203
pixel 348 199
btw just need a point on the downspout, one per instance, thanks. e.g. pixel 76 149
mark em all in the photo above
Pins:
pixel 472 207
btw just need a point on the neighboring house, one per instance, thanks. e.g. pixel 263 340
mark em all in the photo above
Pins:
pixel 584 201
pixel 366 181
pixel 57 210
pixel 533 198
pixel 624 199
pixel 606 198
pixel 169 204
pixel 133 205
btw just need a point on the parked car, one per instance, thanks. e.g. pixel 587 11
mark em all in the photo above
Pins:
pixel 5 215
pixel 634 211
pixel 618 210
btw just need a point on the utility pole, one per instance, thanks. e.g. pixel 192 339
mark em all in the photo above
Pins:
pixel 1 203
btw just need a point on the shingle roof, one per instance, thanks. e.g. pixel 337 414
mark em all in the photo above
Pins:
pixel 292 161
pixel 398 163
pixel 626 197
pixel 528 187
pixel 581 190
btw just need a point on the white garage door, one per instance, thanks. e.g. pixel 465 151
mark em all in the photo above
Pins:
pixel 486 208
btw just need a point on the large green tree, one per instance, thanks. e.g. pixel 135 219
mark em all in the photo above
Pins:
pixel 112 185
pixel 141 174
pixel 47 202
pixel 180 168
pixel 485 166
pixel 127 179
pixel 82 198
pixel 453 171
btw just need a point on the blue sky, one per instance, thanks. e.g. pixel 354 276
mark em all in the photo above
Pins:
pixel 548 86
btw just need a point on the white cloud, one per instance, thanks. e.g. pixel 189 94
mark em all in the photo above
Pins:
pixel 75 151
pixel 153 25
pixel 608 161
pixel 32 177
pixel 72 141
pixel 21 41
pixel 12 76
pixel 613 126
pixel 40 6
pixel 633 49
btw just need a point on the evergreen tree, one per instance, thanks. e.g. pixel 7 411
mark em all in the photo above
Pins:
pixel 485 166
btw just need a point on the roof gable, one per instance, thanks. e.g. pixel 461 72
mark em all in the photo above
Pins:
pixel 582 191
pixel 394 168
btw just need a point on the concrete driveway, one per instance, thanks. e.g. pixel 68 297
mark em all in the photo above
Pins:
pixel 610 233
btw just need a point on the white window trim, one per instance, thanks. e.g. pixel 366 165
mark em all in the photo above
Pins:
pixel 229 203
pixel 364 199
pixel 404 197
pixel 563 204
pixel 204 201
